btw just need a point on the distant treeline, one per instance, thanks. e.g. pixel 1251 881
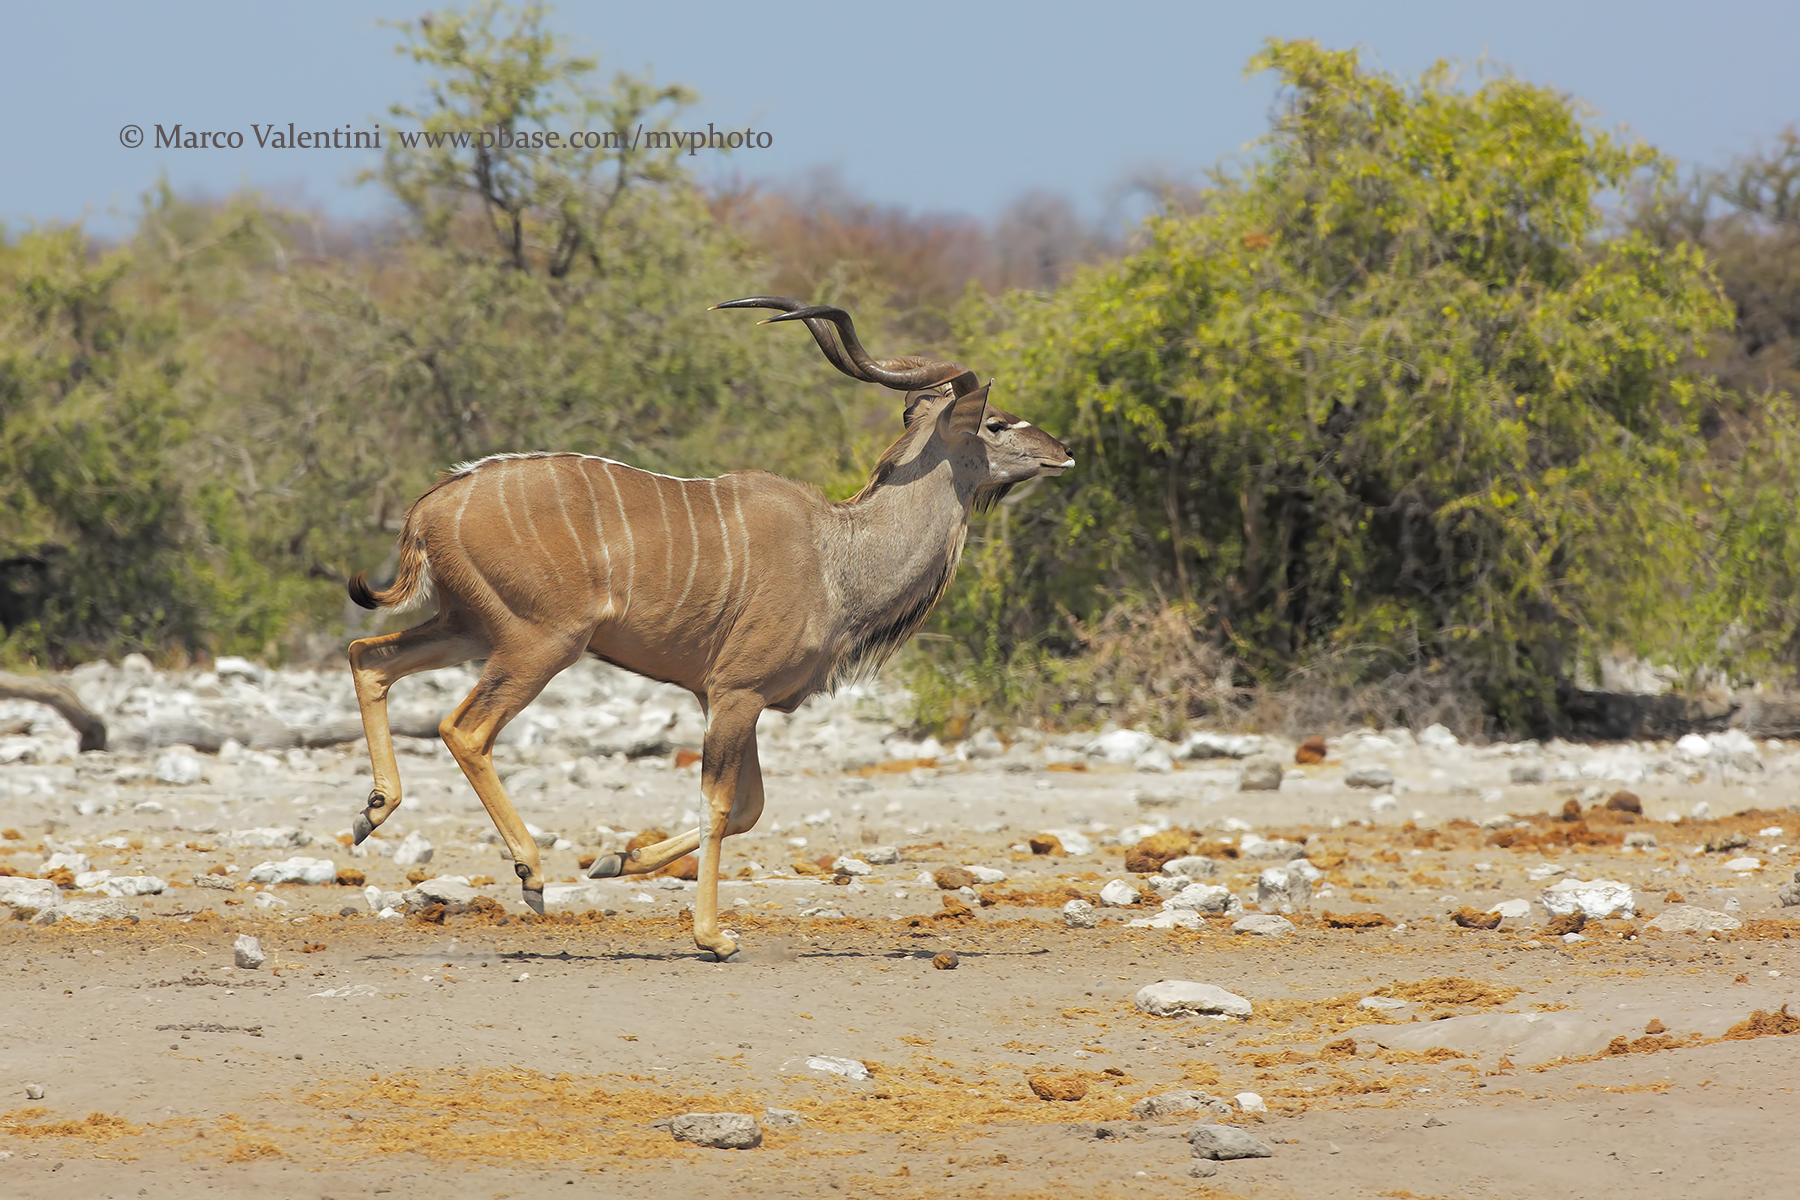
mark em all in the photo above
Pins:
pixel 1396 421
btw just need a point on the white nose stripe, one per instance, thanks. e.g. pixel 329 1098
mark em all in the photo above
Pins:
pixel 1069 463
pixel 1020 425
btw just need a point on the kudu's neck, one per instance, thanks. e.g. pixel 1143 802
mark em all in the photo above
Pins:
pixel 899 542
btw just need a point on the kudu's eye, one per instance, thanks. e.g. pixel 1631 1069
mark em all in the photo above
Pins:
pixel 995 425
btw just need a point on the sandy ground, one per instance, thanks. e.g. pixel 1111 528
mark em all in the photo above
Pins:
pixel 489 1056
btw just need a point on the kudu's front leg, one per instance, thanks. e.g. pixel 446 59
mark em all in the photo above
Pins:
pixel 731 778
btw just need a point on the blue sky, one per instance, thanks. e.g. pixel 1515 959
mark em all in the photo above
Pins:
pixel 958 107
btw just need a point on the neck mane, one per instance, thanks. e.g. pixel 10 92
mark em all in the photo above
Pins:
pixel 900 540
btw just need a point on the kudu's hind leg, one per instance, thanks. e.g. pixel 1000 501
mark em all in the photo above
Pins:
pixel 376 664
pixel 511 680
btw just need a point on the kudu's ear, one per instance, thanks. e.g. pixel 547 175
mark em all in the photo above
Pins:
pixel 962 417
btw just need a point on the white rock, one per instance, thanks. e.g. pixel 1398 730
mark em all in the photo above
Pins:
pixel 1277 887
pixel 985 744
pixel 74 860
pixel 1119 746
pixel 269 900
pixel 1305 870
pixel 1192 866
pixel 88 880
pixel 987 874
pixel 414 850
pixel 247 952
pixel 178 765
pixel 1382 803
pixel 848 1068
pixel 845 865
pixel 1369 775
pixel 1261 773
pixel 120 886
pixel 1692 745
pixel 16 892
pixel 1151 1107
pixel 1437 737
pixel 1204 898
pixel 580 896
pixel 1544 871
pixel 1074 842
pixel 1250 846
pixel 880 856
pixel 1179 997
pixel 1118 894
pixel 274 837
pixel 295 870
pixel 1154 761
pixel 112 908
pixel 1380 1003
pixel 1250 1102
pixel 1263 925
pixel 1513 910
pixel 1205 744
pixel 1596 899
pixel 445 889
pixel 232 667
pixel 1745 863
pixel 1735 748
pixel 720 1131
pixel 1690 918
pixel 1169 919
pixel 1079 914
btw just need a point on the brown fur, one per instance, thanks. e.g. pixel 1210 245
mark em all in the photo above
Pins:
pixel 748 590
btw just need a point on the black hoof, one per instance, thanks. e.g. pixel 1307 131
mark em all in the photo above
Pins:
pixel 607 866
pixel 361 828
pixel 534 897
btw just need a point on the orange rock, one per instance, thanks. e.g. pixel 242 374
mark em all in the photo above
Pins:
pixel 1047 843
pixel 946 961
pixel 1057 1087
pixel 1472 918
pixel 1312 750
pixel 951 878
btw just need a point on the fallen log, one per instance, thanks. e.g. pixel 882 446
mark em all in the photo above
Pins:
pixel 59 696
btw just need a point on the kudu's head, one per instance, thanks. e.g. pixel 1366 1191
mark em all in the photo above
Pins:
pixel 944 401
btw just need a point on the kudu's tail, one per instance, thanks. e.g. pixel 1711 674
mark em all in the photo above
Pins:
pixel 412 583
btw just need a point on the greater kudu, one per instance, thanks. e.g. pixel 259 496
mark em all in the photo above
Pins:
pixel 772 595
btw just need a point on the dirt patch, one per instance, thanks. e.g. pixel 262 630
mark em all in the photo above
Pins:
pixel 1371 920
pixel 97 1127
pixel 1451 989
pixel 1764 1024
